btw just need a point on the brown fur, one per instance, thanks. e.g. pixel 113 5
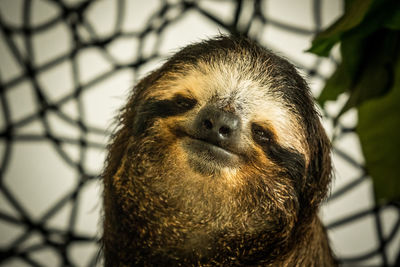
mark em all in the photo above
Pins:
pixel 167 205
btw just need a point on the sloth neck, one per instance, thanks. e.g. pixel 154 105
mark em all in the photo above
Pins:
pixel 310 249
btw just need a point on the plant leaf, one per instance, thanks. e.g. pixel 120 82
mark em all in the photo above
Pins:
pixel 374 71
pixel 354 15
pixel 379 132
pixel 345 75
pixel 393 22
pixel 335 85
pixel 370 73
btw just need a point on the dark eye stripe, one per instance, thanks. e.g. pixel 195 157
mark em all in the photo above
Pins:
pixel 154 108
pixel 184 103
pixel 290 160
pixel 261 135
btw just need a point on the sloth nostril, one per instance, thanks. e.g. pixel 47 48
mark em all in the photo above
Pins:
pixel 208 124
pixel 224 131
pixel 217 126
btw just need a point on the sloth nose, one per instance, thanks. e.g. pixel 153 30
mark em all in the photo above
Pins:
pixel 217 126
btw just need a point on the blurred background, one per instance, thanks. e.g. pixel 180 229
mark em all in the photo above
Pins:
pixel 67 66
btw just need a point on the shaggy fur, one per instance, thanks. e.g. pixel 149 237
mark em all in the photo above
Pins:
pixel 176 195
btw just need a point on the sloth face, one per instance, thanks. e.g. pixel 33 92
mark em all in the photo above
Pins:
pixel 222 139
pixel 222 120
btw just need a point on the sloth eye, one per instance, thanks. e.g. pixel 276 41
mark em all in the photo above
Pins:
pixel 261 135
pixel 154 108
pixel 184 103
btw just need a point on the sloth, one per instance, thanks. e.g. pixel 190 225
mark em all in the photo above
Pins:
pixel 219 159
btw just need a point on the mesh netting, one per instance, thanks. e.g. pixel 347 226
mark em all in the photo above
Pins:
pixel 25 64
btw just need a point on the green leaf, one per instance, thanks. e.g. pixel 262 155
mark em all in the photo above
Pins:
pixel 379 132
pixel 361 18
pixel 345 75
pixel 393 22
pixel 354 15
pixel 372 73
pixel 366 68
pixel 335 85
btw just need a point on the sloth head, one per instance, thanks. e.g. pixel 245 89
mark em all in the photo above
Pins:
pixel 222 139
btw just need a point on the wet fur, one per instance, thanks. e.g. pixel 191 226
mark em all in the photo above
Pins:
pixel 163 206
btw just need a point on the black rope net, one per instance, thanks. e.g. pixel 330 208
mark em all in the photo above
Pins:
pixel 65 68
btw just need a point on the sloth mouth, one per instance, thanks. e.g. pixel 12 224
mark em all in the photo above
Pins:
pixel 210 148
pixel 204 156
pixel 208 158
